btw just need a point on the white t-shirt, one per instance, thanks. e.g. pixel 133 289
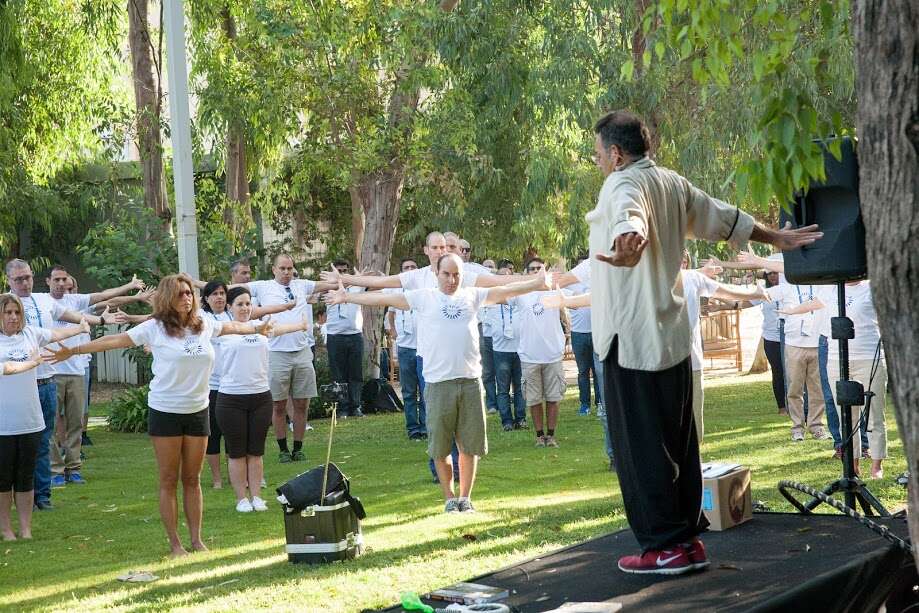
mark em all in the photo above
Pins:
pixel 77 364
pixel 214 380
pixel 542 340
pixel 486 318
pixel 271 293
pixel 41 310
pixel 860 309
pixel 451 339
pixel 580 317
pixel 406 325
pixel 345 318
pixel 800 330
pixel 20 409
pixel 695 286
pixel 582 272
pixel 506 329
pixel 424 278
pixel 245 364
pixel 181 366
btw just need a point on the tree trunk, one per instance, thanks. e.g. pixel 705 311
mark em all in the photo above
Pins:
pixel 378 196
pixel 236 180
pixel 887 84
pixel 148 101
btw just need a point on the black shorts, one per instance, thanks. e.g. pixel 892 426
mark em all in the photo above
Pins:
pixel 160 423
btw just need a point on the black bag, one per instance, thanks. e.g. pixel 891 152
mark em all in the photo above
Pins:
pixel 305 490
pixel 378 396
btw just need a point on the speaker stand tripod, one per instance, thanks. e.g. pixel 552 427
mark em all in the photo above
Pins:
pixel 848 394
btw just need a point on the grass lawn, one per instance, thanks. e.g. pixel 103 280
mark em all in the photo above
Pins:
pixel 529 501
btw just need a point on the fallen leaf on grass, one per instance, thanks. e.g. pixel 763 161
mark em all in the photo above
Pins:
pixel 729 567
pixel 137 576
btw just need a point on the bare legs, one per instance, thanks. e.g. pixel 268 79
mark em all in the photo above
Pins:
pixel 467 467
pixel 246 473
pixel 180 457
pixel 213 461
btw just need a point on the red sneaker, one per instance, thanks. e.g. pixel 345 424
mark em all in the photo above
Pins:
pixel 658 562
pixel 695 551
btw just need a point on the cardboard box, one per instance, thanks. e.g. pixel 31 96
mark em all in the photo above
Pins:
pixel 726 498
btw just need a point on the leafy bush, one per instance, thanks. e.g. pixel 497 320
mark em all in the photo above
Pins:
pixel 128 411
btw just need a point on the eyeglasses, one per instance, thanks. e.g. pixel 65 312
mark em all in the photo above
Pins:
pixel 290 294
pixel 534 269
pixel 465 249
pixel 185 292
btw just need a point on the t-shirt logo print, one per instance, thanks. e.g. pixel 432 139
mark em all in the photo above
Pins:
pixel 538 309
pixel 191 346
pixel 451 310
pixel 16 355
pixel 251 339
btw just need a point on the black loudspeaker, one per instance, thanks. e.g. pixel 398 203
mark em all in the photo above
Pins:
pixel 834 206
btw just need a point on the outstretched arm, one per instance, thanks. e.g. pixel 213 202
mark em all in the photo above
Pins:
pixel 59 334
pixel 559 300
pixel 114 341
pixel 258 312
pixel 804 307
pixel 14 368
pixel 133 284
pixel 330 279
pixel 375 299
pixel 489 280
pixel 534 283
pixel 733 292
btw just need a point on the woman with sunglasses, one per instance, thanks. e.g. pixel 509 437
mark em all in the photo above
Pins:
pixel 183 358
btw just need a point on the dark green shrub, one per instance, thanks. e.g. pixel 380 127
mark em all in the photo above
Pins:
pixel 128 411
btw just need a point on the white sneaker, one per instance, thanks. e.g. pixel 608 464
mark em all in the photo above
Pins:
pixel 258 504
pixel 244 506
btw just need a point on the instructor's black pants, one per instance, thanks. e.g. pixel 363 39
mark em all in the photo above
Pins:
pixel 346 365
pixel 656 450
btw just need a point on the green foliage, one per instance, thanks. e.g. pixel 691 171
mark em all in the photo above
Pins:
pixel 790 64
pixel 128 411
pixel 58 61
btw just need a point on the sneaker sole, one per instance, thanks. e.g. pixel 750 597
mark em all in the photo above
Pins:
pixel 700 565
pixel 658 571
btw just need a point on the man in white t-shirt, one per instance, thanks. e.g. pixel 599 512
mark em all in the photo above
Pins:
pixel 345 343
pixel 508 378
pixel 42 310
pixel 402 329
pixel 290 359
pixel 486 348
pixel 697 285
pixel 802 365
pixel 583 348
pixel 453 394
pixel 541 348
pixel 240 271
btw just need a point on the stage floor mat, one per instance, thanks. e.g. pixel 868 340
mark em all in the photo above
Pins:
pixel 774 562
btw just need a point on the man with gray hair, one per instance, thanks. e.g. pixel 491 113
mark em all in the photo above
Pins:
pixel 240 271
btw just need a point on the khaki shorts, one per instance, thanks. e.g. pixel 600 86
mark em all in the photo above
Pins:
pixel 455 411
pixel 543 382
pixel 291 374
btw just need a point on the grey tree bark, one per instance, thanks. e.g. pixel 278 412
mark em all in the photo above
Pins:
pixel 887 82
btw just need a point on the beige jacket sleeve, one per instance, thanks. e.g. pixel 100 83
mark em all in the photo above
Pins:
pixel 714 219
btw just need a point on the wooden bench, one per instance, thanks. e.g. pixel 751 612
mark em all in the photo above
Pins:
pixel 721 336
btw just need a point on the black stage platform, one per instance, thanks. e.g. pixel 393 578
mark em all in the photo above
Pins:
pixel 775 562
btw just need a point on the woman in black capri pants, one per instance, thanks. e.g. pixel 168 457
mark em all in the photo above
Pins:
pixel 21 420
pixel 244 403
pixel 214 305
